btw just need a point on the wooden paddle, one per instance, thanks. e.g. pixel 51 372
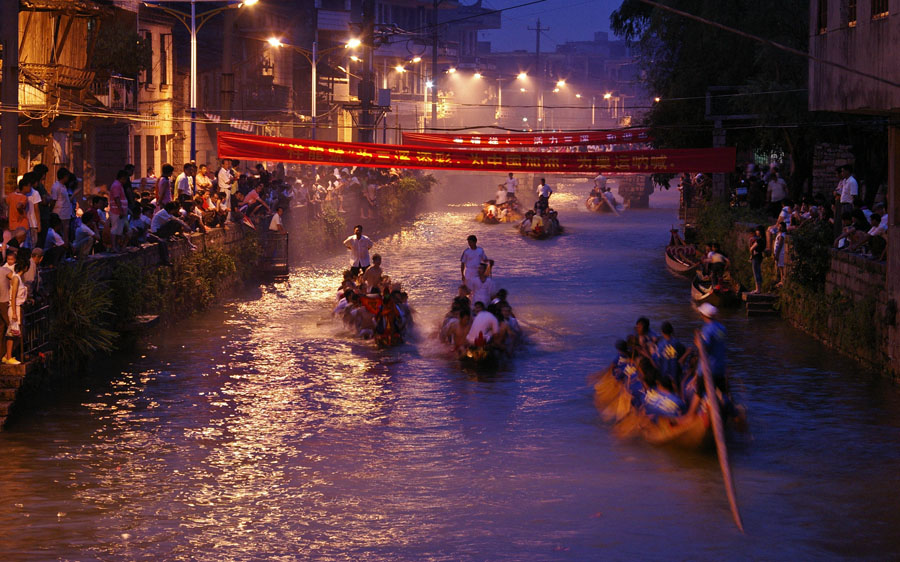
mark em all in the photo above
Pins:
pixel 719 433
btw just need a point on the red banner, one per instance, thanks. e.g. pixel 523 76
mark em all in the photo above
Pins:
pixel 301 151
pixel 612 136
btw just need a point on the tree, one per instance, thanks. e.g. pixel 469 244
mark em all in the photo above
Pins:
pixel 120 49
pixel 683 58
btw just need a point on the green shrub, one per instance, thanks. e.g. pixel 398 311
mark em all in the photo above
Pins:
pixel 810 254
pixel 82 313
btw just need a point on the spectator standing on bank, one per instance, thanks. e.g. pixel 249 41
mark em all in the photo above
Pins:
pixel 61 204
pixel 184 183
pixel 17 203
pixel 778 253
pixel 776 191
pixel 18 293
pixel 118 211
pixel 202 181
pixel 164 186
pixel 846 192
pixel 757 251
pixel 6 272
pixel 226 178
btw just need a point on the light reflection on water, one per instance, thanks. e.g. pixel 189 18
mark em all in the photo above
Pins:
pixel 260 430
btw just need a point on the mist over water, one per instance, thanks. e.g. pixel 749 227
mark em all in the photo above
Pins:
pixel 261 430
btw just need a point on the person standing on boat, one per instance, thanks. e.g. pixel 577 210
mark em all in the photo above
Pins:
pixel 359 245
pixel 711 337
pixel 471 258
pixel 512 184
pixel 543 192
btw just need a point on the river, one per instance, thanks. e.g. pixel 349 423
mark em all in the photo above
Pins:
pixel 259 430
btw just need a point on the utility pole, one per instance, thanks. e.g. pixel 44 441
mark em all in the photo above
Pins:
pixel 9 97
pixel 366 90
pixel 434 62
pixel 539 74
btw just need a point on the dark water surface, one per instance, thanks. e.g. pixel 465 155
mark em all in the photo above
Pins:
pixel 259 430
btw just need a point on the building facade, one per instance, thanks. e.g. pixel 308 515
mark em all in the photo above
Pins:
pixel 864 35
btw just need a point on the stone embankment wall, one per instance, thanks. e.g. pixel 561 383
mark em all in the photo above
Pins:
pixel 852 314
pixel 25 383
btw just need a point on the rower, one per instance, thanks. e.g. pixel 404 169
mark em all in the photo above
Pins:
pixel 501 196
pixel 667 355
pixel 482 287
pixel 484 325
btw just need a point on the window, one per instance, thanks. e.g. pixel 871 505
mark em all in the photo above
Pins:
pixel 851 13
pixel 879 9
pixel 165 62
pixel 150 157
pixel 822 16
pixel 147 75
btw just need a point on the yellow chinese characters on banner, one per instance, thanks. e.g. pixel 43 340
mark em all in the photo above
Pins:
pixel 250 147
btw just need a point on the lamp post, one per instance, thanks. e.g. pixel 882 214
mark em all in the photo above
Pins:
pixel 314 56
pixel 190 22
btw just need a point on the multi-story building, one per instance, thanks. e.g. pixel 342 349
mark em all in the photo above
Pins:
pixel 56 39
pixel 863 35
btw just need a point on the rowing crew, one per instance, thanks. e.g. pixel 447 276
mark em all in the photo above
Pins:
pixel 479 316
pixel 373 306
pixel 662 376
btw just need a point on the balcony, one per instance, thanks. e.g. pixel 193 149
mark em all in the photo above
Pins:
pixel 118 93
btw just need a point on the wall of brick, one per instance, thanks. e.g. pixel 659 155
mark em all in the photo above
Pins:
pixel 826 158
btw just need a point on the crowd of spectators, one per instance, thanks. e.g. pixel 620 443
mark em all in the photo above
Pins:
pixel 856 227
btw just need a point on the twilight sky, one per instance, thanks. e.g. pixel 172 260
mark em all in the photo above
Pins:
pixel 568 20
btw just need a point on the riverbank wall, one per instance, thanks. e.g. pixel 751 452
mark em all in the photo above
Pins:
pixel 98 304
pixel 840 298
pixel 851 311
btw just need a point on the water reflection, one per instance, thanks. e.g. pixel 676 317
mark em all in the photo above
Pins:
pixel 261 430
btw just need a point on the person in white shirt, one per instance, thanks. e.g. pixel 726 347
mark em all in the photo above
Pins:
pixel 776 189
pixel 62 204
pixel 34 218
pixel 525 225
pixel 849 188
pixel 276 225
pixel 226 178
pixel 184 183
pixel 512 184
pixel 482 287
pixel 471 258
pixel 359 246
pixel 485 324
pixel 86 235
pixel 501 196
pixel 544 190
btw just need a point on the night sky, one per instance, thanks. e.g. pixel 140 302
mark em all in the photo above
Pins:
pixel 568 20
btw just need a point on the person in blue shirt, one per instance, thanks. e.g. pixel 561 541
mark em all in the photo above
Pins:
pixel 711 338
pixel 667 356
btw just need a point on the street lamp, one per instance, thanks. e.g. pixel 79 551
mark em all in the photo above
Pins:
pixel 314 57
pixel 522 76
pixel 190 22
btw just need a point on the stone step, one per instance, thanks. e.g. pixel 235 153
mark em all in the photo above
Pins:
pixel 11 381
pixel 7 394
pixel 759 297
pixel 761 312
pixel 761 305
